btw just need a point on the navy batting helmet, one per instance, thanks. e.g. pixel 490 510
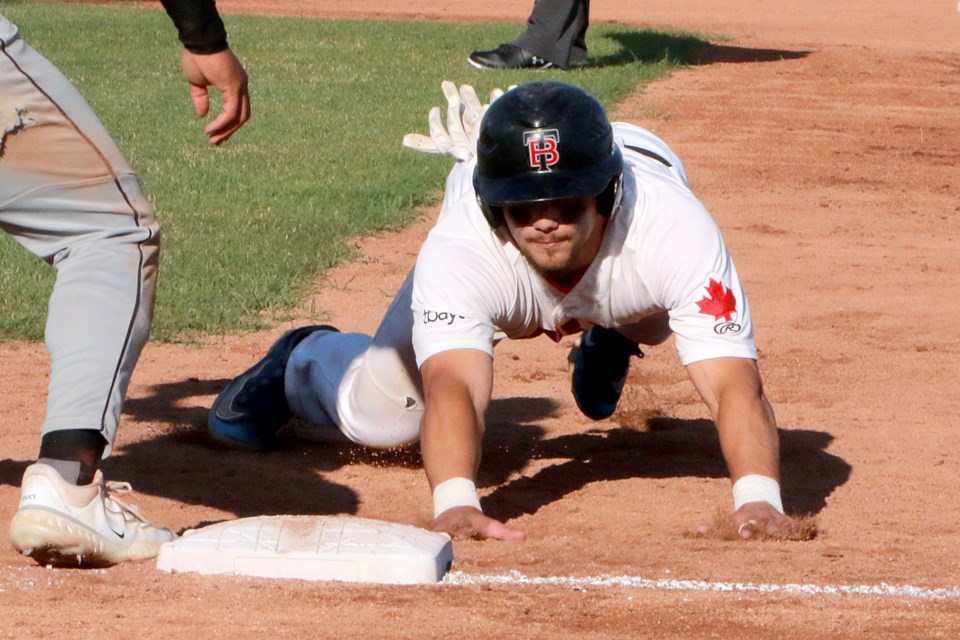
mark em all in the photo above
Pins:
pixel 545 141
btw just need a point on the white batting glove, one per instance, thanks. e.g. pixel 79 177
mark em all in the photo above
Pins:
pixel 464 113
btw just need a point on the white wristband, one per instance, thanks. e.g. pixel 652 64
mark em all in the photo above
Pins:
pixel 455 492
pixel 757 488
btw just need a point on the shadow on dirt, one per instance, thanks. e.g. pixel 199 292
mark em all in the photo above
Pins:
pixel 670 448
pixel 656 46
pixel 714 53
pixel 177 461
pixel 181 464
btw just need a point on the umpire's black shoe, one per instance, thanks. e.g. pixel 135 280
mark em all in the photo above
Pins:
pixel 507 56
pixel 600 361
pixel 253 407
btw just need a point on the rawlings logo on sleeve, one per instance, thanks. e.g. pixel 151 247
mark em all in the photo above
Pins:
pixel 721 304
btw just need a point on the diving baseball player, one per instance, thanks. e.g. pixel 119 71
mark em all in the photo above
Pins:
pixel 68 195
pixel 554 222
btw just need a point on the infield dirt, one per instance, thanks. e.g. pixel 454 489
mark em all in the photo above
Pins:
pixel 824 137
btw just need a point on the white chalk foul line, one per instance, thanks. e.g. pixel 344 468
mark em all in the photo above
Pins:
pixel 634 582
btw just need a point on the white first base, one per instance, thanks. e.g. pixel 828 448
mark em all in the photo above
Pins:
pixel 336 548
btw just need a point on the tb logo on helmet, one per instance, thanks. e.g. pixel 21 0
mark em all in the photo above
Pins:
pixel 542 147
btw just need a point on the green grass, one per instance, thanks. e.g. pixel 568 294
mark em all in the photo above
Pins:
pixel 247 226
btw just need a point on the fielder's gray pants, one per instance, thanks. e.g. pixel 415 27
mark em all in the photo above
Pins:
pixel 556 31
pixel 68 196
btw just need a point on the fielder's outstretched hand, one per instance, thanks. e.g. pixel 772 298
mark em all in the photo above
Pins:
pixel 223 72
pixel 464 113
pixel 466 522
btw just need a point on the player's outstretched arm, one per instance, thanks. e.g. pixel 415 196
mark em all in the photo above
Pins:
pixel 457 385
pixel 733 390
pixel 207 61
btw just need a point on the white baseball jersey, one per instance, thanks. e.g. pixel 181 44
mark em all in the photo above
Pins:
pixel 661 252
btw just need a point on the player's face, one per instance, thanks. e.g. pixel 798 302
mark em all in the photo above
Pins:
pixel 559 238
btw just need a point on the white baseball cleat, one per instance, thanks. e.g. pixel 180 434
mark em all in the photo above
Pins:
pixel 62 524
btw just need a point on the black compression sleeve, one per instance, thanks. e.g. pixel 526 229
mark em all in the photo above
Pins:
pixel 201 29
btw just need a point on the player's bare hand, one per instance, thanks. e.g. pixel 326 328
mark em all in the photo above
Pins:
pixel 466 522
pixel 223 72
pixel 754 519
pixel 758 518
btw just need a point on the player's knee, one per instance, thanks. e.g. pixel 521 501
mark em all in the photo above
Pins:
pixel 371 416
pixel 379 403
pixel 382 422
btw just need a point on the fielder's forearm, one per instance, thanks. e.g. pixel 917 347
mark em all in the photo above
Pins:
pixel 198 22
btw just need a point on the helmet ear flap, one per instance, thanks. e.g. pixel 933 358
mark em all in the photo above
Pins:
pixel 609 198
pixel 494 215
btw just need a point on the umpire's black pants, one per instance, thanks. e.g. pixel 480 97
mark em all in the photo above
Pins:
pixel 556 31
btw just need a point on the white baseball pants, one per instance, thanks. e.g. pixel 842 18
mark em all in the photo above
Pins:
pixel 369 387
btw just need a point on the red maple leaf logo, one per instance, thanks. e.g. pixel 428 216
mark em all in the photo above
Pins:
pixel 719 301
